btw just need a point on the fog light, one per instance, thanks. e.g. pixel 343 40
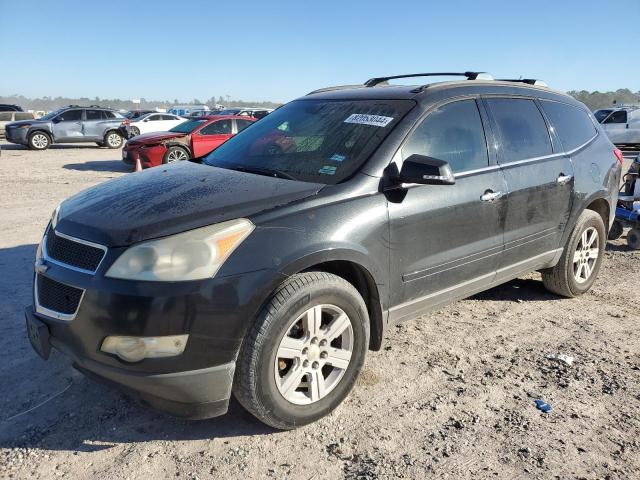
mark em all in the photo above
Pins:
pixel 134 349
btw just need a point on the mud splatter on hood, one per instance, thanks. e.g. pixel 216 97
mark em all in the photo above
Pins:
pixel 167 200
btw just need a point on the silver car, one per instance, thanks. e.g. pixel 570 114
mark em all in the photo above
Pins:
pixel 622 124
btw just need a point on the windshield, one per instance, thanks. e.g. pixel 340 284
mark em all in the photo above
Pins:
pixel 187 127
pixel 601 115
pixel 229 111
pixel 320 141
pixel 50 115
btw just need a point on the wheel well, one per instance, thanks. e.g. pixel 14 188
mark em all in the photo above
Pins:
pixel 362 280
pixel 601 207
pixel 39 130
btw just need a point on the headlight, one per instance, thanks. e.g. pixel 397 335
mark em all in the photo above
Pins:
pixel 25 125
pixel 191 255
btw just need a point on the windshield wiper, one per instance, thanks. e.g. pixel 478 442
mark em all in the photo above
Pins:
pixel 269 172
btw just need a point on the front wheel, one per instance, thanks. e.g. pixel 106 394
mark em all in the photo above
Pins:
pixel 304 353
pixel 580 262
pixel 39 141
pixel 175 154
pixel 113 139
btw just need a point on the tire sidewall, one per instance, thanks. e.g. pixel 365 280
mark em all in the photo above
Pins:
pixel 106 139
pixel 591 221
pixel 32 146
pixel 166 160
pixel 266 389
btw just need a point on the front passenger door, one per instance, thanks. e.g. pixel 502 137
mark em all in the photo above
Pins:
pixel 446 239
pixel 211 137
pixel 68 126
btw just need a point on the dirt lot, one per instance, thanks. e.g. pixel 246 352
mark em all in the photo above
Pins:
pixel 451 395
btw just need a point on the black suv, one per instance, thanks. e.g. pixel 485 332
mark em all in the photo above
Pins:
pixel 270 268
pixel 67 125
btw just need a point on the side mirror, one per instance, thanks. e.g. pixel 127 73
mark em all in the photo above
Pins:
pixel 426 170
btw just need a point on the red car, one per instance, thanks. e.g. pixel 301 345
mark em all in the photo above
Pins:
pixel 191 139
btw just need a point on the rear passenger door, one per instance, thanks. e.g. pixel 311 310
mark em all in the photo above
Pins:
pixel 446 239
pixel 539 180
pixel 93 123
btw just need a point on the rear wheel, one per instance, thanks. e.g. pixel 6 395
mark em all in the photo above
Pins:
pixel 39 141
pixel 113 139
pixel 633 238
pixel 580 262
pixel 175 154
pixel 304 353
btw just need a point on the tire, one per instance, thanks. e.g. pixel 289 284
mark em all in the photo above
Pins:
pixel 134 131
pixel 175 154
pixel 577 268
pixel 39 141
pixel 616 230
pixel 633 238
pixel 260 383
pixel 113 139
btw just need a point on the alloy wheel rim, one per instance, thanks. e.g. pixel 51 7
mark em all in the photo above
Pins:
pixel 314 354
pixel 586 255
pixel 176 155
pixel 40 140
pixel 114 140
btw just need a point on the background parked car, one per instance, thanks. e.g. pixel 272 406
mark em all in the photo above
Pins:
pixel 151 122
pixel 5 107
pixel 183 110
pixel 8 117
pixel 622 125
pixel 191 139
pixel 68 125
pixel 257 113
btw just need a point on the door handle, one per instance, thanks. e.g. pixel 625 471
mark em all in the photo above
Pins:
pixel 490 196
pixel 564 179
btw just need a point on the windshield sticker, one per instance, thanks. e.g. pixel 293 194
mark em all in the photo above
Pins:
pixel 328 170
pixel 336 157
pixel 366 119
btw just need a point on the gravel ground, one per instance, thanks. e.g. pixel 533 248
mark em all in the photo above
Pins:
pixel 451 394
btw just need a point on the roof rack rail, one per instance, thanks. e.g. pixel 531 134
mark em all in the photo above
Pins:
pixel 372 82
pixel 528 81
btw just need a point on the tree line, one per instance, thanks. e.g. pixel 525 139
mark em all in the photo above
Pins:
pixel 593 100
pixel 51 103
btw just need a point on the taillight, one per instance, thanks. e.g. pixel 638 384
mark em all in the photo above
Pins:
pixel 126 122
pixel 618 153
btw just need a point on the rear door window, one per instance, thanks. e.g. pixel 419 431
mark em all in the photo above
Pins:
pixel 222 127
pixel 94 115
pixel 617 117
pixel 453 133
pixel 572 124
pixel 522 129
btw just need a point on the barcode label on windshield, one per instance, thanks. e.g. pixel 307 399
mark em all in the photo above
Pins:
pixel 366 119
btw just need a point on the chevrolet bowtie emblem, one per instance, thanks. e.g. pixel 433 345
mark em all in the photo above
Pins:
pixel 41 266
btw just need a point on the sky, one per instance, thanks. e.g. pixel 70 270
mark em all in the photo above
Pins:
pixel 279 50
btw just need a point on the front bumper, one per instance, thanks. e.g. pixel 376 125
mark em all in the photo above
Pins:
pixel 17 135
pixel 148 156
pixel 214 312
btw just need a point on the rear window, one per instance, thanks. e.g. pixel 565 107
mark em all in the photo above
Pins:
pixel 572 125
pixel 322 141
pixel 522 129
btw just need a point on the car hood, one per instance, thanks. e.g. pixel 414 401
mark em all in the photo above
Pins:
pixel 173 199
pixel 155 137
pixel 25 122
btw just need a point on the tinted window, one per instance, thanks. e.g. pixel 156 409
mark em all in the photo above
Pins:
pixel 223 127
pixel 242 124
pixel 6 116
pixel 70 115
pixel 572 125
pixel 617 117
pixel 94 115
pixel 312 140
pixel 23 116
pixel 601 114
pixel 108 114
pixel 453 133
pixel 522 129
pixel 154 118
